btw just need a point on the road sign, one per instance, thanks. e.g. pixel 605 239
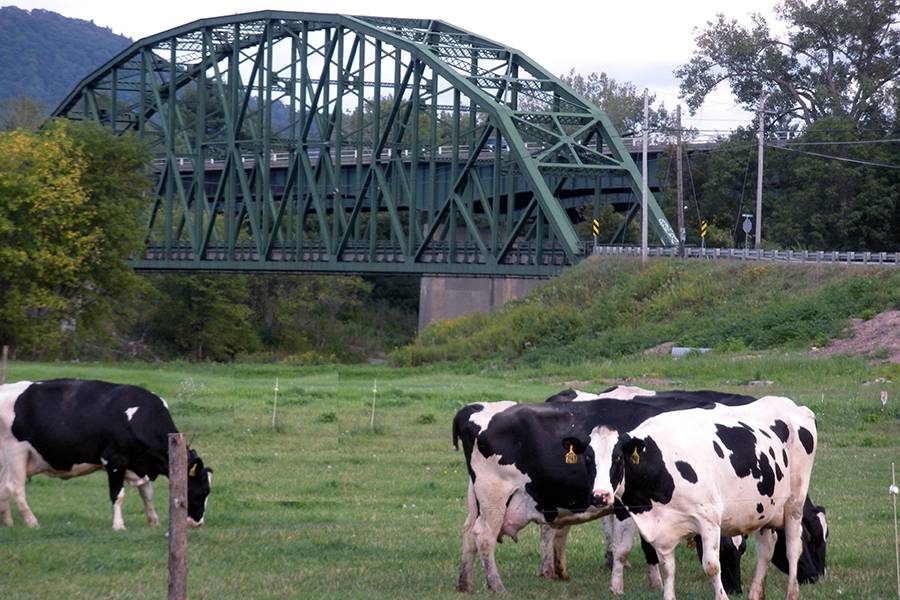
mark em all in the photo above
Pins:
pixel 747 225
pixel 703 228
pixel 595 225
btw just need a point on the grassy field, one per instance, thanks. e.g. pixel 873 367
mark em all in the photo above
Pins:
pixel 320 506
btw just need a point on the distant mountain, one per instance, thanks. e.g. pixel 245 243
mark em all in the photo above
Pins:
pixel 43 54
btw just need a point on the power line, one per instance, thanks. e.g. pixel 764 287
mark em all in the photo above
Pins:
pixel 826 143
pixel 851 160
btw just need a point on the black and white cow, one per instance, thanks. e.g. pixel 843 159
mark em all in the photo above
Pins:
pixel 619 532
pixel 732 470
pixel 69 427
pixel 532 463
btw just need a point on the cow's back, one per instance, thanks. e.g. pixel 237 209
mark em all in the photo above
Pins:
pixel 71 421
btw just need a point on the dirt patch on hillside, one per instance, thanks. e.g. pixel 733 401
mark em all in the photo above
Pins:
pixel 877 336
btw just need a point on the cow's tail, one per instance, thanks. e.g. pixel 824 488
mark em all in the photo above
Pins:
pixel 456 431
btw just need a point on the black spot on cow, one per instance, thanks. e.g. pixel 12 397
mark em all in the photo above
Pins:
pixel 780 429
pixel 778 474
pixel 772 453
pixel 806 439
pixel 765 433
pixel 759 507
pixel 686 470
pixel 745 426
pixel 647 481
pixel 784 456
pixel 718 449
pixel 744 459
pixel 766 485
pixel 467 432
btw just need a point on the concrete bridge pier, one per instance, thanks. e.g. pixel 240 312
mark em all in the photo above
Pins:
pixel 442 298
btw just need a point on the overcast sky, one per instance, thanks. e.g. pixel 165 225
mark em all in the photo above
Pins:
pixel 641 41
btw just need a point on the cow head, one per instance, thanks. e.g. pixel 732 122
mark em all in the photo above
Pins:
pixel 609 456
pixel 199 480
pixel 811 565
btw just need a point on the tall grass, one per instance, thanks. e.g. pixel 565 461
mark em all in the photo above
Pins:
pixel 606 308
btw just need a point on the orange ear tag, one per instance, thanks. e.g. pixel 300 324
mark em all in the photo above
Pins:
pixel 635 458
pixel 571 458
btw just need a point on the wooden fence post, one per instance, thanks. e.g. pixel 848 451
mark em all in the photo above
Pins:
pixel 177 517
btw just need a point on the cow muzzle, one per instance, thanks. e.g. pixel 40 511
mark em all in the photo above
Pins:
pixel 192 523
pixel 601 498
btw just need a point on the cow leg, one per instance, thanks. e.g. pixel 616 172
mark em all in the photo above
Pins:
pixel 146 492
pixel 559 553
pixel 608 525
pixel 12 483
pixel 793 544
pixel 765 546
pixel 622 541
pixel 667 561
pixel 468 544
pixel 116 476
pixel 145 489
pixel 487 529
pixel 652 560
pixel 710 538
pixel 548 551
pixel 5 493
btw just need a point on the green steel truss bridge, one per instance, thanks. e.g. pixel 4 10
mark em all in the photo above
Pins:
pixel 289 141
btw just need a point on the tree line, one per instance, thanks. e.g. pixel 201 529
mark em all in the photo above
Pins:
pixel 73 199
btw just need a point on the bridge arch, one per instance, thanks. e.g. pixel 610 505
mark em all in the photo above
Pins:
pixel 317 142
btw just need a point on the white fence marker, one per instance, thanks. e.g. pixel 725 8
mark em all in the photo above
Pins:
pixel 374 393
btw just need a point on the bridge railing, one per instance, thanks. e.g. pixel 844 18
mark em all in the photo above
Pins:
pixel 348 155
pixel 796 256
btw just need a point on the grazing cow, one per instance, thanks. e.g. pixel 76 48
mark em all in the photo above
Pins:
pixel 730 470
pixel 69 427
pixel 532 463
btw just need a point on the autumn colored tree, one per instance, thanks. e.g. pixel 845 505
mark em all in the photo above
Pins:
pixel 70 201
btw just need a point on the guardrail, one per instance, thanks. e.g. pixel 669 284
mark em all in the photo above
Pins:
pixel 891 259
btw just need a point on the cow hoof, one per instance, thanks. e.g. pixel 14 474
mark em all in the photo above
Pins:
pixel 7 521
pixel 465 588
pixel 548 575
pixel 32 523
pixel 153 521
pixel 564 576
pixel 118 526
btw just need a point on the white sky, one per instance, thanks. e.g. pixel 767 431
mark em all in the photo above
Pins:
pixel 641 41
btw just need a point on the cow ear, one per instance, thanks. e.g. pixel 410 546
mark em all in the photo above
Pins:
pixel 574 444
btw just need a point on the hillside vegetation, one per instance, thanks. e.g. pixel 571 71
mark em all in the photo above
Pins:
pixel 44 54
pixel 605 308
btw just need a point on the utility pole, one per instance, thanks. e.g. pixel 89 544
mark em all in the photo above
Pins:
pixel 759 171
pixel 680 184
pixel 644 252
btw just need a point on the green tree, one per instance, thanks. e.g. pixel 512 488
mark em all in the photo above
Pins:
pixel 621 101
pixel 836 58
pixel 207 317
pixel 70 201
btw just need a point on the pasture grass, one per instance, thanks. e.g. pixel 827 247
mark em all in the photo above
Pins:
pixel 321 506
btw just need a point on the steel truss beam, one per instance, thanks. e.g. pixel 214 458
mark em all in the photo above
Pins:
pixel 311 142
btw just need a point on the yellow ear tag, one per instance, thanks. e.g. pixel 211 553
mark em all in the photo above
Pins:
pixel 571 458
pixel 634 457
pixel 193 471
